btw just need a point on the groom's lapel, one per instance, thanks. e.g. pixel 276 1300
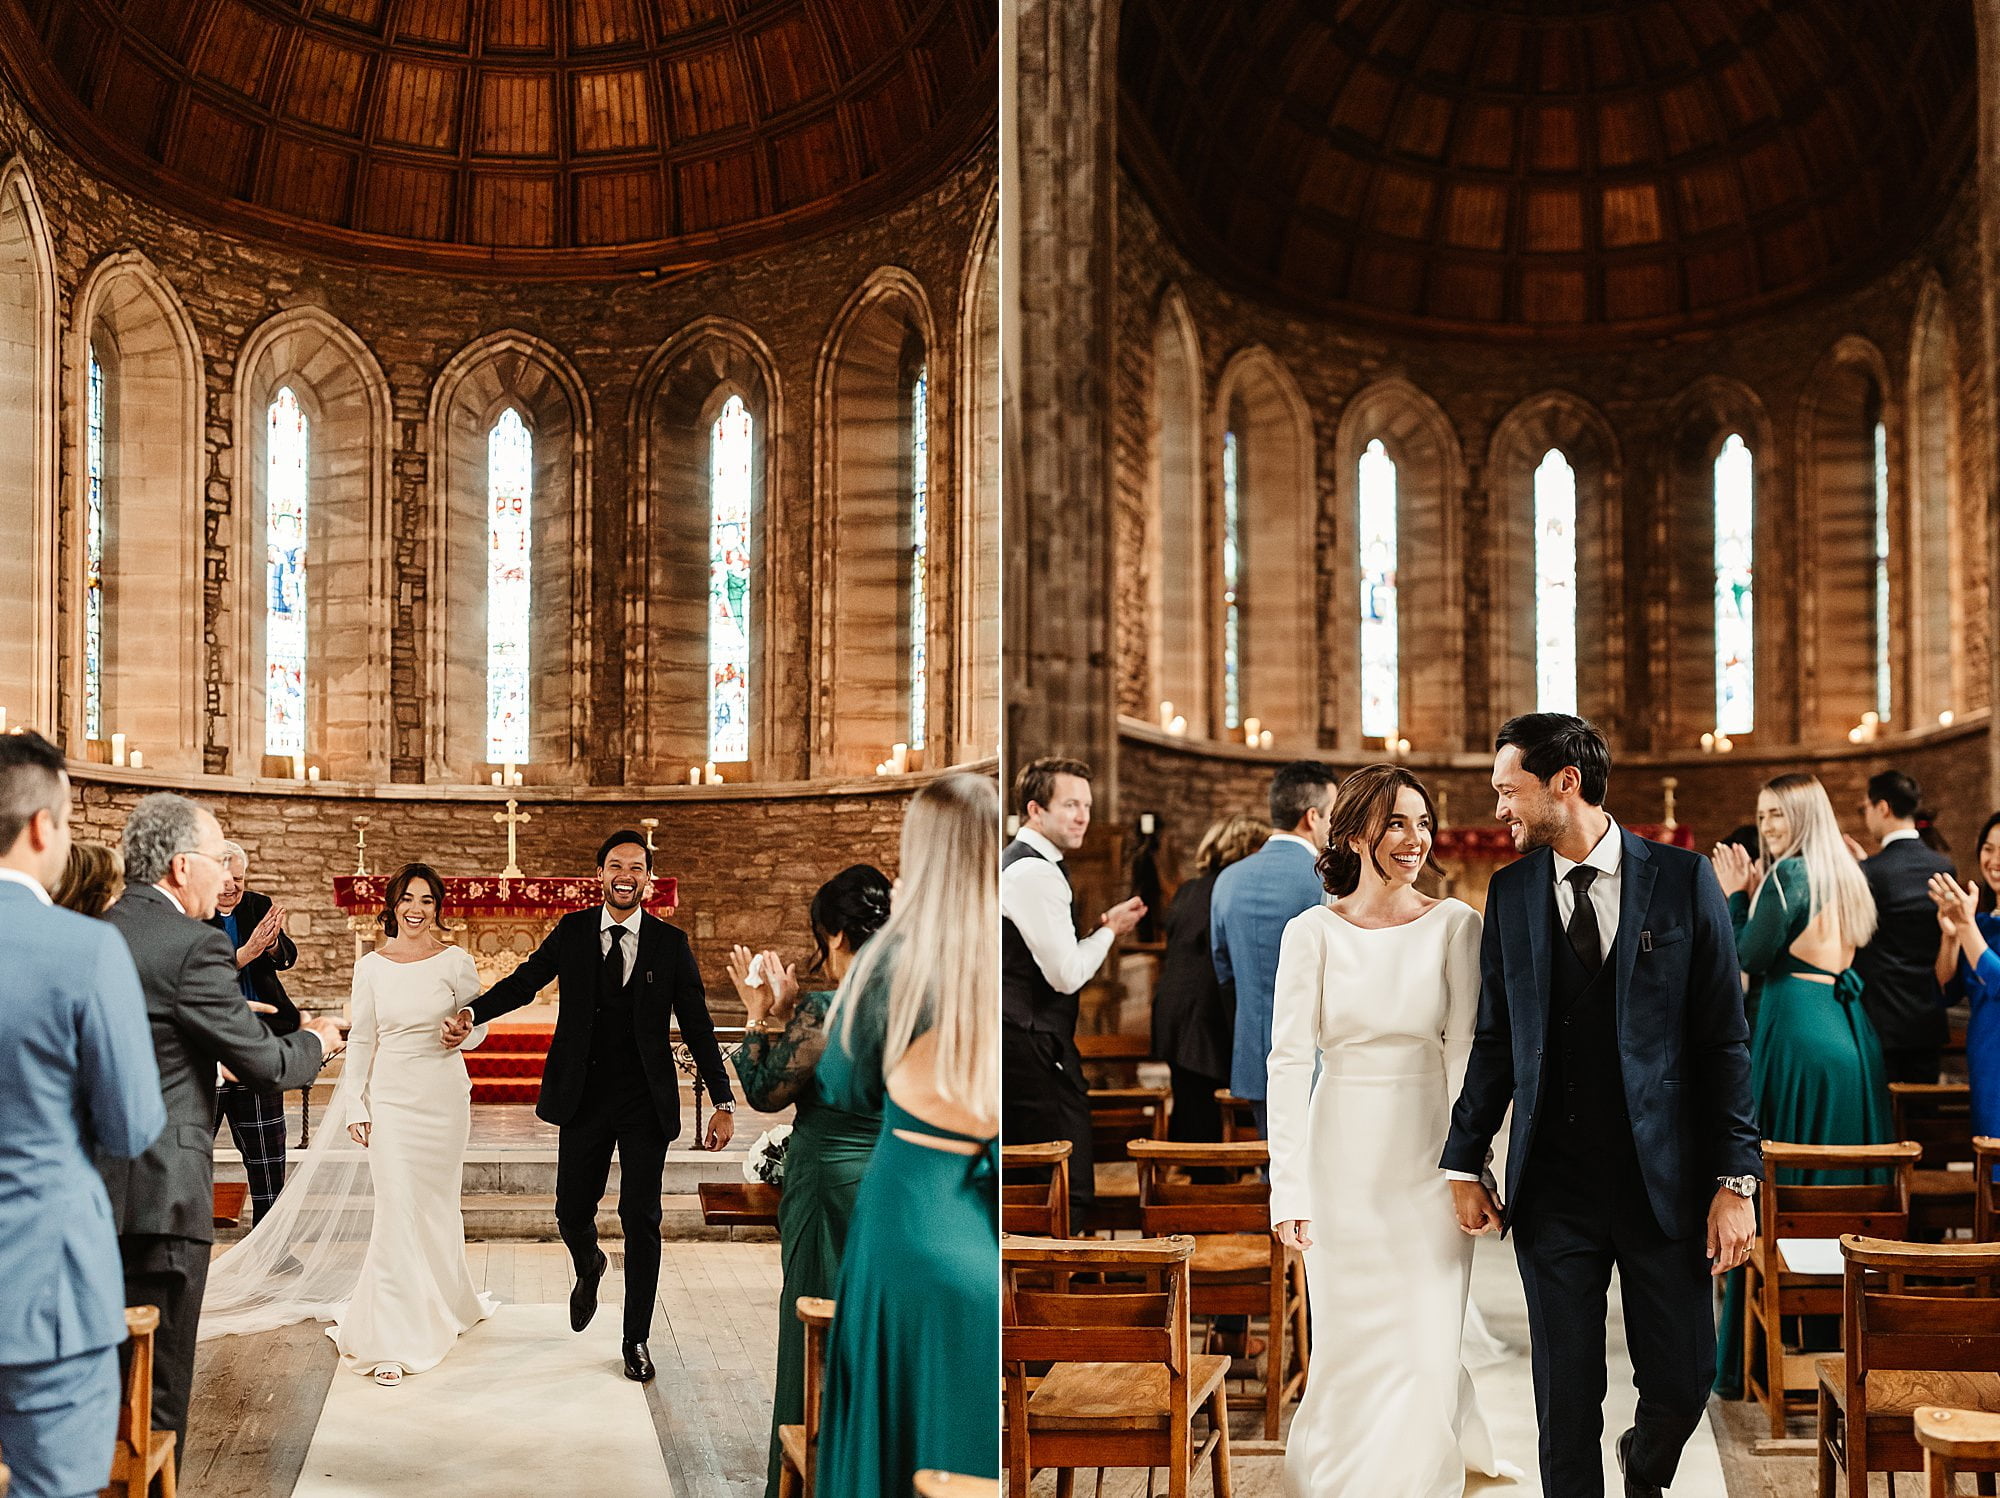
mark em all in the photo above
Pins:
pixel 1541 922
pixel 1635 898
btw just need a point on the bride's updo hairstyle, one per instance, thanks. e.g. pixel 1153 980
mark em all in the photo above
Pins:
pixel 1361 812
pixel 399 885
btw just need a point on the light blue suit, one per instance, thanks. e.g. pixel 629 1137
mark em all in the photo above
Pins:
pixel 1254 899
pixel 77 1076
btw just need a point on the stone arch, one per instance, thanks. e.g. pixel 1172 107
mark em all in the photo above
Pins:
pixel 977 657
pixel 1681 666
pixel 1555 419
pixel 510 368
pixel 28 385
pixel 1177 569
pixel 1932 578
pixel 1430 589
pixel 153 619
pixel 862 618
pixel 678 397
pixel 1847 395
pixel 349 550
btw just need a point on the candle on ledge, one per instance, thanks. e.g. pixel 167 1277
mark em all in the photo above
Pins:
pixel 1264 739
pixel 882 768
pixel 496 777
pixel 1166 714
pixel 299 766
pixel 118 749
pixel 312 772
pixel 694 774
pixel 899 758
pixel 1178 728
pixel 710 775
pixel 1251 727
pixel 3 720
pixel 1944 718
pixel 138 760
pixel 1146 824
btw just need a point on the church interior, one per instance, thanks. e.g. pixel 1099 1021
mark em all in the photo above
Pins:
pixel 452 430
pixel 1388 369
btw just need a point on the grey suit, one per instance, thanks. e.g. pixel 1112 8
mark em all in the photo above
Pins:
pixel 162 1202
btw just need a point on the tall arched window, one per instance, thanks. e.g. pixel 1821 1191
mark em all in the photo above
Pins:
pixel 732 441
pixel 918 611
pixel 1844 538
pixel 1232 582
pixel 93 554
pixel 510 485
pixel 1883 690
pixel 288 451
pixel 29 390
pixel 1735 632
pixel 1555 584
pixel 1178 570
pixel 1380 657
pixel 1935 566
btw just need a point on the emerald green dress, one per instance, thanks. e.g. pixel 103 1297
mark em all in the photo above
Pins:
pixel 1816 1070
pixel 913 1362
pixel 825 1158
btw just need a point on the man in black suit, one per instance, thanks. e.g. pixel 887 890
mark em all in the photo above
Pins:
pixel 163 1202
pixel 622 978
pixel 256 929
pixel 1611 1017
pixel 1899 966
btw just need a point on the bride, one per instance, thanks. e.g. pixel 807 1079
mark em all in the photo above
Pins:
pixel 367 1232
pixel 1379 989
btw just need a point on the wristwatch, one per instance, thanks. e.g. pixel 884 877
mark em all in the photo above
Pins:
pixel 722 1107
pixel 1744 1186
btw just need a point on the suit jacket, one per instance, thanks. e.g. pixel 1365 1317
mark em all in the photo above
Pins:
pixel 199 1020
pixel 1900 991
pixel 1194 1014
pixel 1255 899
pixel 77 1078
pixel 666 987
pixel 1683 1048
pixel 262 970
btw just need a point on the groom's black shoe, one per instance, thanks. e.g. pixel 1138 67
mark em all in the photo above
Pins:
pixel 638 1363
pixel 583 1299
pixel 1634 1487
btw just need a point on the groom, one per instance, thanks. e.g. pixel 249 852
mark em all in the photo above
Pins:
pixel 1611 1016
pixel 622 977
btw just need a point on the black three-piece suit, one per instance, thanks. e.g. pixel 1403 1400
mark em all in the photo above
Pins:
pixel 610 1079
pixel 1630 1081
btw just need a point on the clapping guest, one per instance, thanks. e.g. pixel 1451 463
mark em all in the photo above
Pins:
pixel 1971 929
pixel 828 1148
pixel 76 1076
pixel 913 1364
pixel 256 929
pixel 1899 984
pixel 91 879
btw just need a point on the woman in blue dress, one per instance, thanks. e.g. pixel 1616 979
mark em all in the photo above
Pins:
pixel 1971 927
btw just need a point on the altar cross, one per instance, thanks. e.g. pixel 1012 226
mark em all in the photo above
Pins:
pixel 513 816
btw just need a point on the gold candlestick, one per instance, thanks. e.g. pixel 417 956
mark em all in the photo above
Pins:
pixel 1668 785
pixel 360 847
pixel 649 823
pixel 513 817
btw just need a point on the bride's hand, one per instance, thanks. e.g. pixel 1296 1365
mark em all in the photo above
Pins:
pixel 1292 1233
pixel 358 1132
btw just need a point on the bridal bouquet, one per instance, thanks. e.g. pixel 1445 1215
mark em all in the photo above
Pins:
pixel 766 1160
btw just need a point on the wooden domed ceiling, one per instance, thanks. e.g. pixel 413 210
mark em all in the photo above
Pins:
pixel 1546 166
pixel 520 136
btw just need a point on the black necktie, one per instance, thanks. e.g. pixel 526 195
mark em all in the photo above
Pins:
pixel 1583 937
pixel 614 962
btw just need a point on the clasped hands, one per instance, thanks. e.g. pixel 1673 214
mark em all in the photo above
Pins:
pixel 1732 1221
pixel 263 937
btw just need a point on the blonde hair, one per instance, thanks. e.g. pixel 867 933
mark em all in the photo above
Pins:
pixel 92 880
pixel 1833 878
pixel 1229 840
pixel 941 944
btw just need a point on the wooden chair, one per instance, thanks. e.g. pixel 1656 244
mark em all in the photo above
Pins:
pixel 739 1204
pixel 1938 1117
pixel 1239 1266
pixel 1956 1441
pixel 228 1203
pixel 1922 1328
pixel 1239 1116
pixel 1118 1115
pixel 1123 1383
pixel 142 1454
pixel 798 1445
pixel 1035 1207
pixel 1778 1378
pixel 1114 1058
pixel 1986 1201
pixel 932 1483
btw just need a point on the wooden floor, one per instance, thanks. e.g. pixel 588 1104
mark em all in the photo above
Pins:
pixel 715 1343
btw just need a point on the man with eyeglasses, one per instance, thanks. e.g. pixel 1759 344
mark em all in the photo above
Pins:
pixel 163 1202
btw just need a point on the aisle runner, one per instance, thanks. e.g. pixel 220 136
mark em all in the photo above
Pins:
pixel 522 1405
pixel 1507 1390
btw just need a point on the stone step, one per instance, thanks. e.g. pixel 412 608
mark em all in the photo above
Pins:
pixel 532 1173
pixel 521 1217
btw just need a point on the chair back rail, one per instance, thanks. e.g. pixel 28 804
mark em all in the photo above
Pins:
pixel 1937 1116
pixel 1040 1203
pixel 1986 1200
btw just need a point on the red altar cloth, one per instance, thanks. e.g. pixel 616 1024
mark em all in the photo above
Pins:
pixel 532 895
pixel 1496 843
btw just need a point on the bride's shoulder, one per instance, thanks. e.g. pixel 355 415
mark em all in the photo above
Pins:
pixel 1458 913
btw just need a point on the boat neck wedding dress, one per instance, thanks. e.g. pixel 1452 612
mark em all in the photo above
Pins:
pixel 1387 1014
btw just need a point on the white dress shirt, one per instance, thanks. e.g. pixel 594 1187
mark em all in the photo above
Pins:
pixel 1035 896
pixel 1293 837
pixel 172 898
pixel 1898 835
pixel 631 943
pixel 18 876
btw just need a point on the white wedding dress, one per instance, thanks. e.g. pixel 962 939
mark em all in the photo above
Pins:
pixel 1389 1409
pixel 373 1239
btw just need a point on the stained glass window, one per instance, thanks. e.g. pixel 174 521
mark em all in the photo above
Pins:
pixel 1735 634
pixel 729 584
pixel 1379 660
pixel 919 527
pixel 287 447
pixel 93 561
pixel 510 504
pixel 1882 570
pixel 1232 603
pixel 1555 585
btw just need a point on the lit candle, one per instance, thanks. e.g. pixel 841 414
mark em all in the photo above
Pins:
pixel 899 758
pixel 694 774
pixel 1250 729
pixel 3 720
pixel 312 772
pixel 1146 824
pixel 1013 824
pixel 882 768
pixel 1264 739
pixel 1708 743
pixel 496 777
pixel 1944 718
pixel 1166 713
pixel 513 777
pixel 708 775
pixel 138 761
pixel 118 749
pixel 1402 746
pixel 299 766
pixel 1178 728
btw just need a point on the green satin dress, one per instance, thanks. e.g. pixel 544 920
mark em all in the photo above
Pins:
pixel 913 1362
pixel 1816 1070
pixel 825 1159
